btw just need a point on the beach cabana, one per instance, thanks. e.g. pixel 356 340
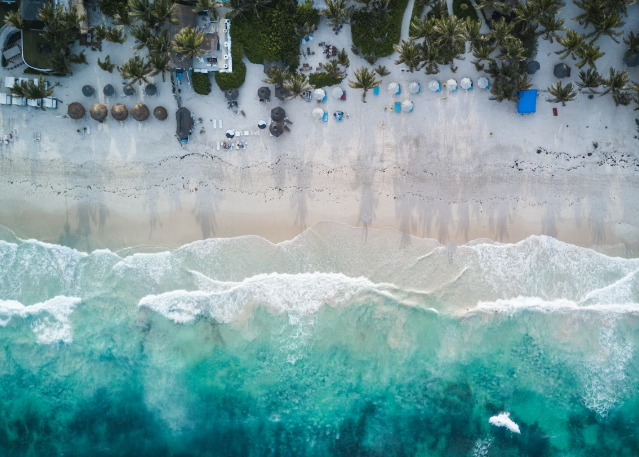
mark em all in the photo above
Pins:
pixel 160 113
pixel 276 128
pixel 264 93
pixel 337 92
pixel 414 88
pixel 128 90
pixel 261 124
pixel 451 84
pixel 466 84
pixel 562 70
pixel 108 90
pixel 278 114
pixel 318 114
pixel 407 106
pixel 527 101
pixel 88 91
pixel 231 95
pixel 76 110
pixel 140 112
pixel 483 83
pixel 99 112
pixel 119 112
pixel 184 124
pixel 434 86
pixel 394 89
pixel 319 94
pixel 532 66
pixel 151 89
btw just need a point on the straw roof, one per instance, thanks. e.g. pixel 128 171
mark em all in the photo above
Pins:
pixel 76 110
pixel 160 113
pixel 108 90
pixel 140 112
pixel 99 112
pixel 276 128
pixel 278 114
pixel 119 112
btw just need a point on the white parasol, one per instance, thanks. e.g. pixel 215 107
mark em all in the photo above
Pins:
pixel 451 84
pixel 434 86
pixel 319 94
pixel 337 92
pixel 318 113
pixel 407 106
pixel 414 88
pixel 466 83
pixel 482 83
pixel 393 88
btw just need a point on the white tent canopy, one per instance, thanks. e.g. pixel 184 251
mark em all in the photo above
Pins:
pixel 319 94
pixel 451 84
pixel 482 83
pixel 434 86
pixel 414 87
pixel 318 113
pixel 407 106
pixel 337 92
pixel 393 88
pixel 466 83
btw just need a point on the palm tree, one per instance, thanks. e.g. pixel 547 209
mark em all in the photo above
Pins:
pixel 513 50
pixel 501 30
pixel 141 34
pixel 342 58
pixel 621 6
pixel 297 84
pixel 141 9
pixel 422 28
pixel 207 5
pixel 588 54
pixel 633 43
pixel 39 90
pixel 71 18
pixel 188 41
pixel 549 6
pixel 409 55
pixel 551 26
pixel 562 93
pixel 161 11
pixel 622 98
pixel 336 12
pixel 106 65
pixel 276 75
pixel 472 32
pixel 135 70
pixel 364 79
pixel 439 10
pixel 502 91
pixel 382 71
pixel 527 13
pixel 431 58
pixel 13 19
pixel 305 29
pixel 482 53
pixel 115 35
pixel 332 69
pixel 122 17
pixel 521 83
pixel 449 31
pixel 606 24
pixel 59 62
pixel 571 43
pixel 616 82
pixel 100 32
pixel 592 10
pixel 159 43
pixel 589 79
pixel 19 89
pixel 160 64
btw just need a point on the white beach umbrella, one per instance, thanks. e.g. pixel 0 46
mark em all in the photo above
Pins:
pixel 261 124
pixel 318 113
pixel 230 133
pixel 434 86
pixel 337 92
pixel 482 83
pixel 414 88
pixel 407 106
pixel 466 83
pixel 393 88
pixel 451 84
pixel 319 94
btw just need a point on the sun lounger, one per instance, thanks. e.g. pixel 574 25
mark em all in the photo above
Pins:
pixel 214 123
pixel 218 145
pixel 220 122
pixel 246 133
pixel 325 117
pixel 376 90
pixel 398 107
pixel 399 89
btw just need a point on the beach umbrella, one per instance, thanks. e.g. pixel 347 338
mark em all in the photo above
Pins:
pixel 407 106
pixel 532 66
pixel 99 112
pixel 337 92
pixel 318 113
pixel 434 86
pixel 631 59
pixel 108 90
pixel 119 112
pixel 88 91
pixel 562 70
pixel 319 94
pixel 261 124
pixel 276 128
pixel 160 113
pixel 278 114
pixel 128 90
pixel 231 95
pixel 264 93
pixel 280 92
pixel 414 88
pixel 451 84
pixel 151 89
pixel 230 133
pixel 483 83
pixel 393 88
pixel 466 83
pixel 76 110
pixel 140 112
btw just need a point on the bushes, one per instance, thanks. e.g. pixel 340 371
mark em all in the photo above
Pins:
pixel 375 32
pixel 113 7
pixel 323 80
pixel 233 80
pixel 201 83
pixel 463 9
pixel 305 13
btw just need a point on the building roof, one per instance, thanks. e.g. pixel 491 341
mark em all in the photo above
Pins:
pixel 185 17
pixel 29 9
pixel 527 101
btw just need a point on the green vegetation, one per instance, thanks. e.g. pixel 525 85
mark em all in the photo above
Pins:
pixel 32 90
pixel 112 8
pixel 375 31
pixel 35 46
pixel 318 80
pixel 233 80
pixel 464 9
pixel 201 83
pixel 365 80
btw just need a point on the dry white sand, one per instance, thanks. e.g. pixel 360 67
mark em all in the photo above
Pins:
pixel 458 167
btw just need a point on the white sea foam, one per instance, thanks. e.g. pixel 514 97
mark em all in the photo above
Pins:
pixel 49 320
pixel 514 305
pixel 504 420
pixel 481 447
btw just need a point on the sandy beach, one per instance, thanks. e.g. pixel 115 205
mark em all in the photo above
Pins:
pixel 459 167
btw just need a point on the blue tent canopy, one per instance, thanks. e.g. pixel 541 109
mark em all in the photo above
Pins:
pixel 527 101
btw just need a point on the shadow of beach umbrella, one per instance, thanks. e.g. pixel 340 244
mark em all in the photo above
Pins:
pixel 483 83
pixel 261 124
pixel 276 128
pixel 278 114
pixel 393 88
pixel 232 95
pixel 108 90
pixel 128 90
pixel 319 94
pixel 140 112
pixel 532 66
pixel 281 93
pixel 119 112
pixel 76 110
pixel 318 113
pixel 230 133
pixel 264 93
pixel 631 59
pixel 407 106
pixel 99 112
pixel 414 88
pixel 337 92
pixel 151 89
pixel 160 113
pixel 88 91
pixel 562 70
pixel 434 86
pixel 466 83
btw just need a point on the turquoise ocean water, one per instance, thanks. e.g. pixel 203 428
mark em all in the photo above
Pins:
pixel 341 342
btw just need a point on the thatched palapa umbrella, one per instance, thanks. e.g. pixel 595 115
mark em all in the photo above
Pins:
pixel 76 110
pixel 231 95
pixel 119 112
pixel 151 89
pixel 99 112
pixel 88 91
pixel 276 128
pixel 160 113
pixel 108 90
pixel 278 114
pixel 264 93
pixel 140 112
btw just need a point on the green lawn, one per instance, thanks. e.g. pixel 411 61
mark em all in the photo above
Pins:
pixel 36 50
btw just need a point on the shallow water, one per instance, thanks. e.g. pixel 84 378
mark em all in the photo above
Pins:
pixel 341 342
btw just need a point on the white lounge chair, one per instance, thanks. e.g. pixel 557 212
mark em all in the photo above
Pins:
pixel 218 145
